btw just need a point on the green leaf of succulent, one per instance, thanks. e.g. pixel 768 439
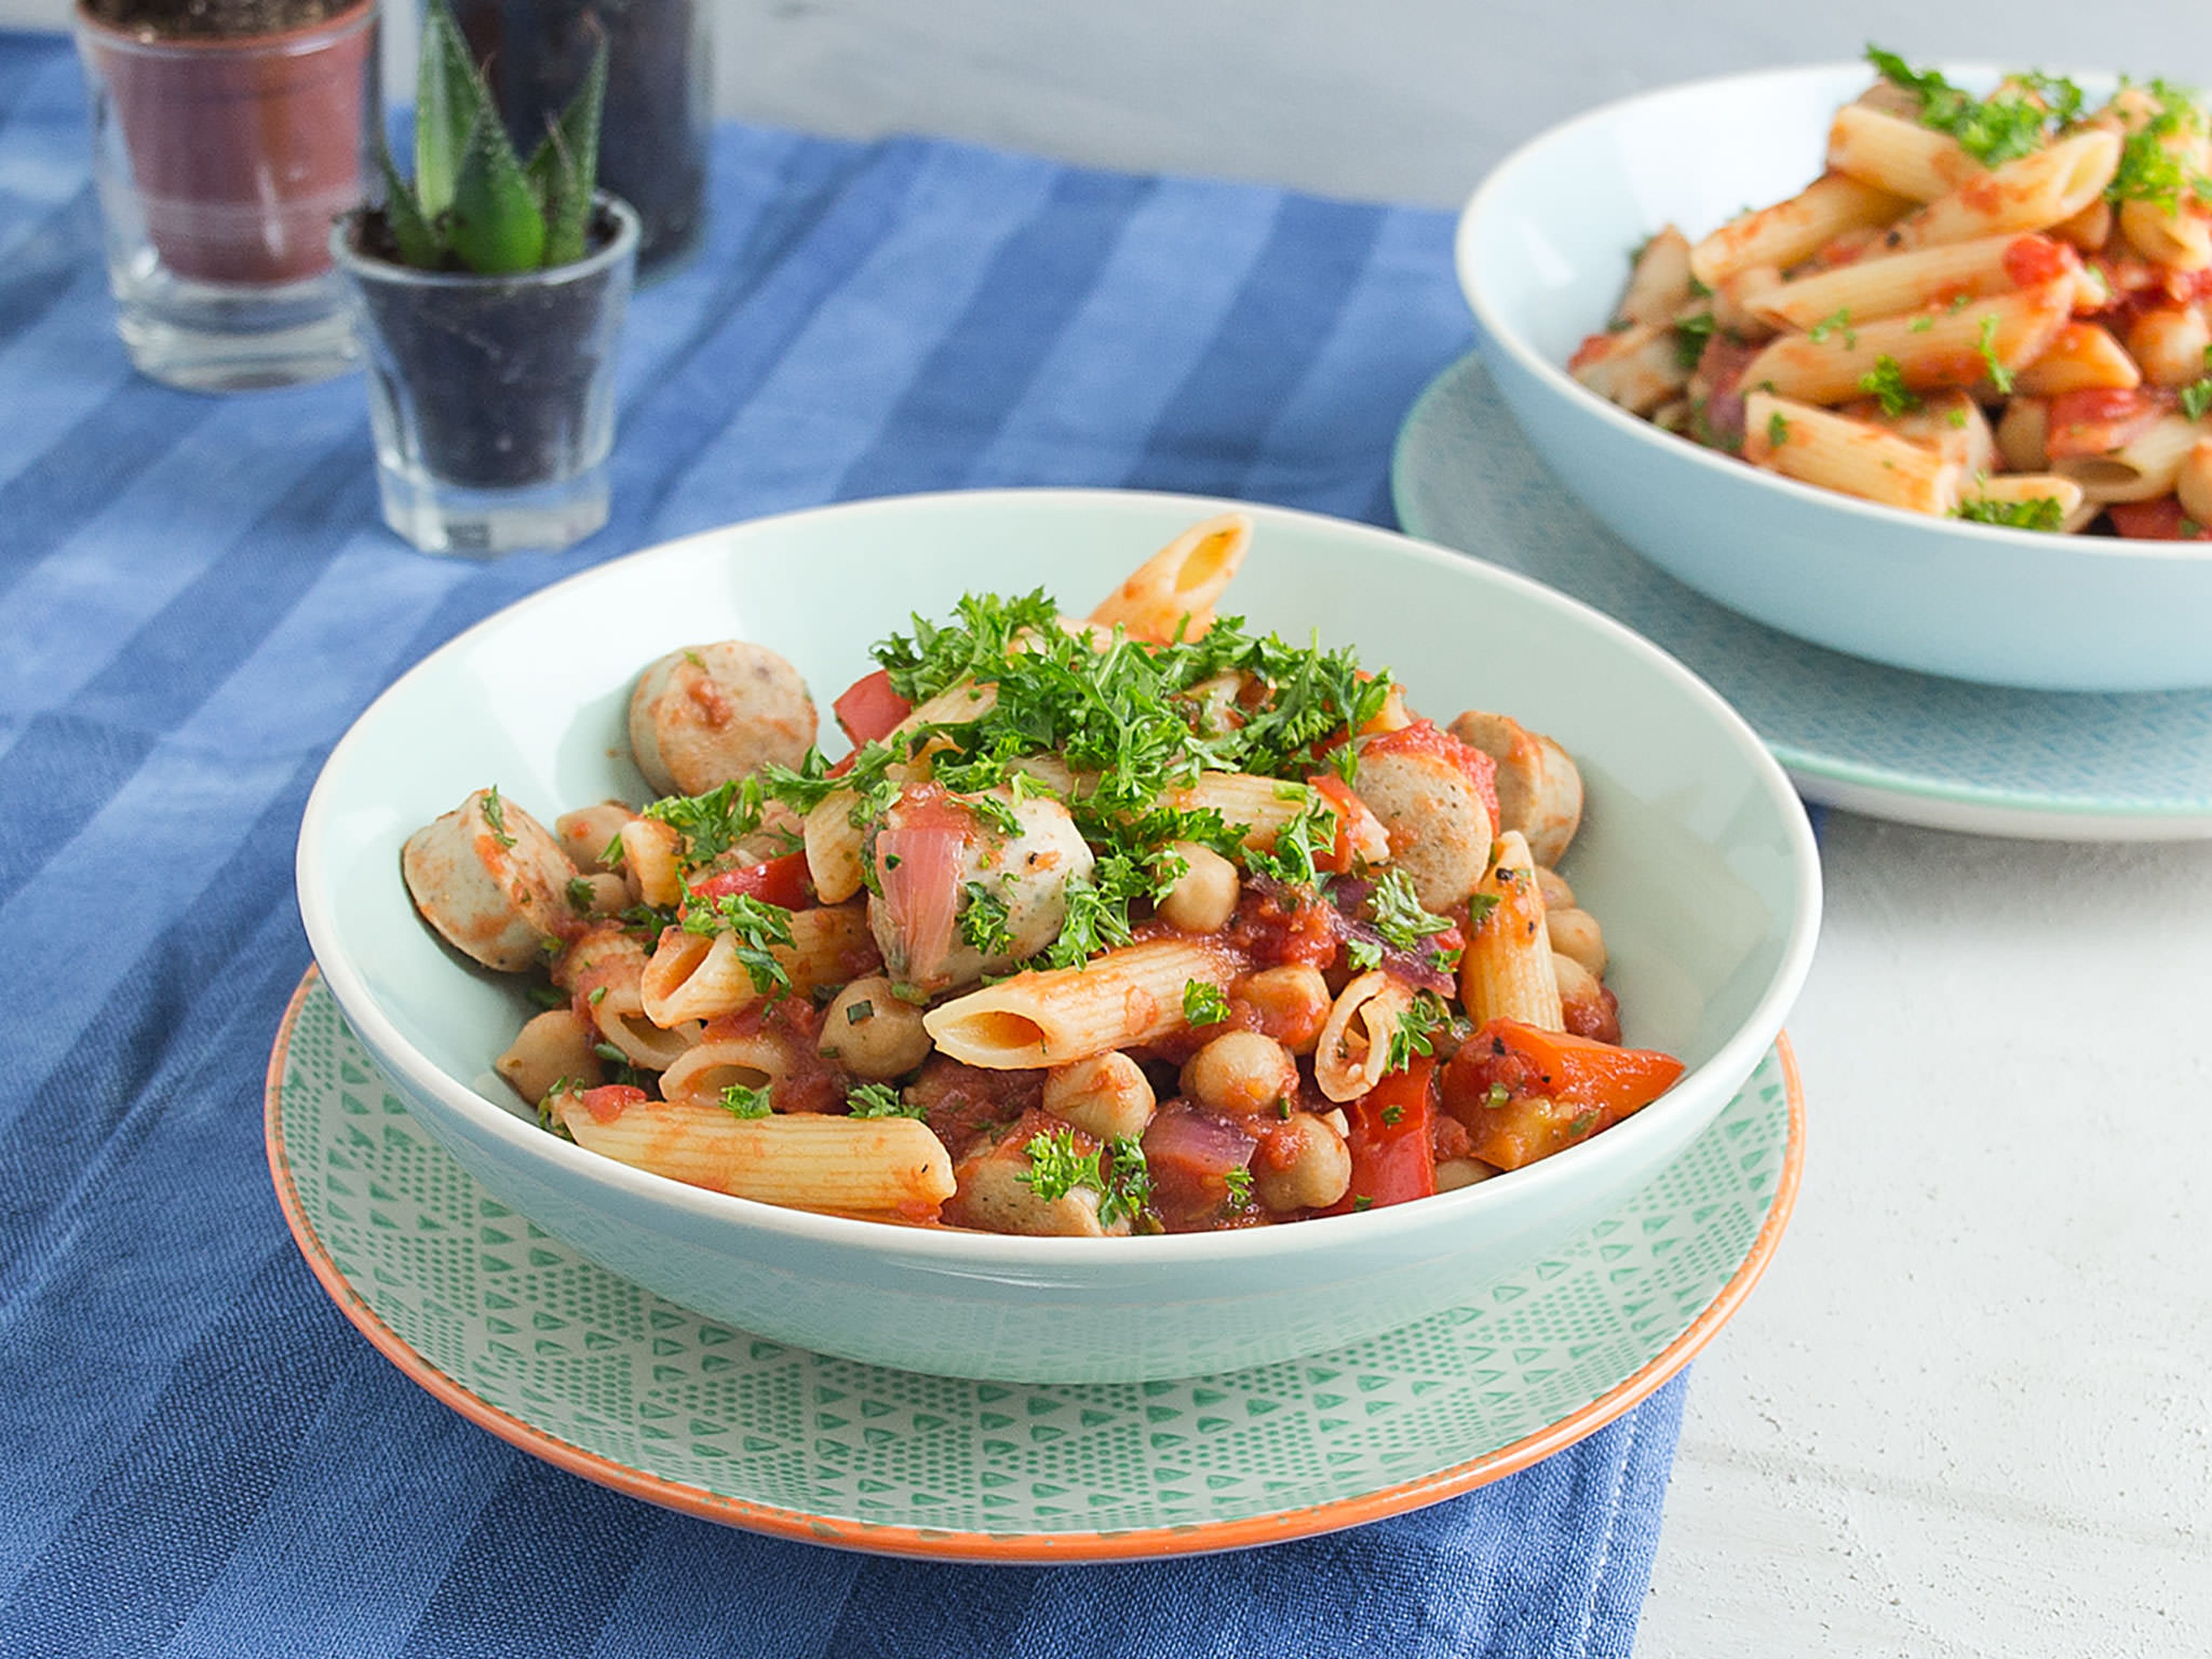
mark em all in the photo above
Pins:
pixel 567 166
pixel 494 225
pixel 449 96
pixel 418 239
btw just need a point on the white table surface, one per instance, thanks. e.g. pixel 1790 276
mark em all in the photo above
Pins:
pixel 1969 1409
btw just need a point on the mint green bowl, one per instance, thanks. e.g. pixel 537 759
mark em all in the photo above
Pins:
pixel 1695 853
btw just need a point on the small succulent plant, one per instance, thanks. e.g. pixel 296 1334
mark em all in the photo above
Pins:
pixel 475 205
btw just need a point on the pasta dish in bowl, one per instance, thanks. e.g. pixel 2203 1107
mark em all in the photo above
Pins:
pixel 1007 1040
pixel 1955 322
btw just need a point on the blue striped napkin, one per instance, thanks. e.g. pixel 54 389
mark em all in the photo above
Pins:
pixel 203 1457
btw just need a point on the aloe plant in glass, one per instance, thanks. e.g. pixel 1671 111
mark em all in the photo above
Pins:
pixel 490 292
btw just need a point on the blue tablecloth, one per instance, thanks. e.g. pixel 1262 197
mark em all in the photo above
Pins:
pixel 196 597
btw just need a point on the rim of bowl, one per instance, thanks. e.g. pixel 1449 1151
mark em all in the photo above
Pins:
pixel 1469 231
pixel 992 1253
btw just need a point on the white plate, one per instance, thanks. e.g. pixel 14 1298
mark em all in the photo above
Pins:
pixel 2067 766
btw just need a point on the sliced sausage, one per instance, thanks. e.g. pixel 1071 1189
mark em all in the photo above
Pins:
pixel 1437 822
pixel 492 880
pixel 710 712
pixel 1539 791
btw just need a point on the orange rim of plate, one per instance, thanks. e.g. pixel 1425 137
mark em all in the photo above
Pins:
pixel 1142 1543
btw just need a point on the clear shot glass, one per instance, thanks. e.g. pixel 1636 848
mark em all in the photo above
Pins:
pixel 221 163
pixel 493 398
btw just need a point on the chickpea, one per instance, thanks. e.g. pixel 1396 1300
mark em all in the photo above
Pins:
pixel 1457 1172
pixel 1292 1003
pixel 871 1033
pixel 1576 933
pixel 1304 1165
pixel 1204 896
pixel 1577 982
pixel 1105 1097
pixel 1558 895
pixel 610 893
pixel 1240 1073
pixel 555 1045
pixel 586 834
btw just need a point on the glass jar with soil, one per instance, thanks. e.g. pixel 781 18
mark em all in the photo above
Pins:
pixel 227 135
pixel 659 111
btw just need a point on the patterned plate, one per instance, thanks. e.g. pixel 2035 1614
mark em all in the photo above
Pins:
pixel 1893 744
pixel 521 1334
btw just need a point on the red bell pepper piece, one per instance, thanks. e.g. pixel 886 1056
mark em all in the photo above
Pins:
pixel 781 881
pixel 869 708
pixel 1393 1159
pixel 1523 1093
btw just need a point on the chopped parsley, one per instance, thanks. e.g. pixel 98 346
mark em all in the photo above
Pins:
pixel 1204 1003
pixel 2151 167
pixel 1921 325
pixel 1398 914
pixel 1778 430
pixel 1362 953
pixel 2011 122
pixel 1237 1178
pixel 1836 322
pixel 548 1113
pixel 2196 395
pixel 742 1101
pixel 1986 345
pixel 1133 721
pixel 983 922
pixel 1690 337
pixel 754 927
pixel 1056 1169
pixel 1884 382
pixel 2037 513
pixel 1391 1114
pixel 495 816
pixel 1418 1026
pixel 1129 1188
pixel 859 1012
pixel 712 823
pixel 1497 1097
pixel 880 1100
pixel 547 997
pixel 579 895
pixel 1310 828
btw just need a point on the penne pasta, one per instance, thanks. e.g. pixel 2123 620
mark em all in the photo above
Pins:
pixel 1871 289
pixel 1896 153
pixel 692 976
pixel 1790 231
pixel 1961 348
pixel 2142 469
pixel 1354 1048
pixel 1854 457
pixel 2080 358
pixel 1507 972
pixel 807 1161
pixel 1640 367
pixel 2035 192
pixel 1172 593
pixel 1120 999
pixel 1660 285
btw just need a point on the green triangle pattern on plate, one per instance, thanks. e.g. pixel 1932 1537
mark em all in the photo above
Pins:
pixel 520 1319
